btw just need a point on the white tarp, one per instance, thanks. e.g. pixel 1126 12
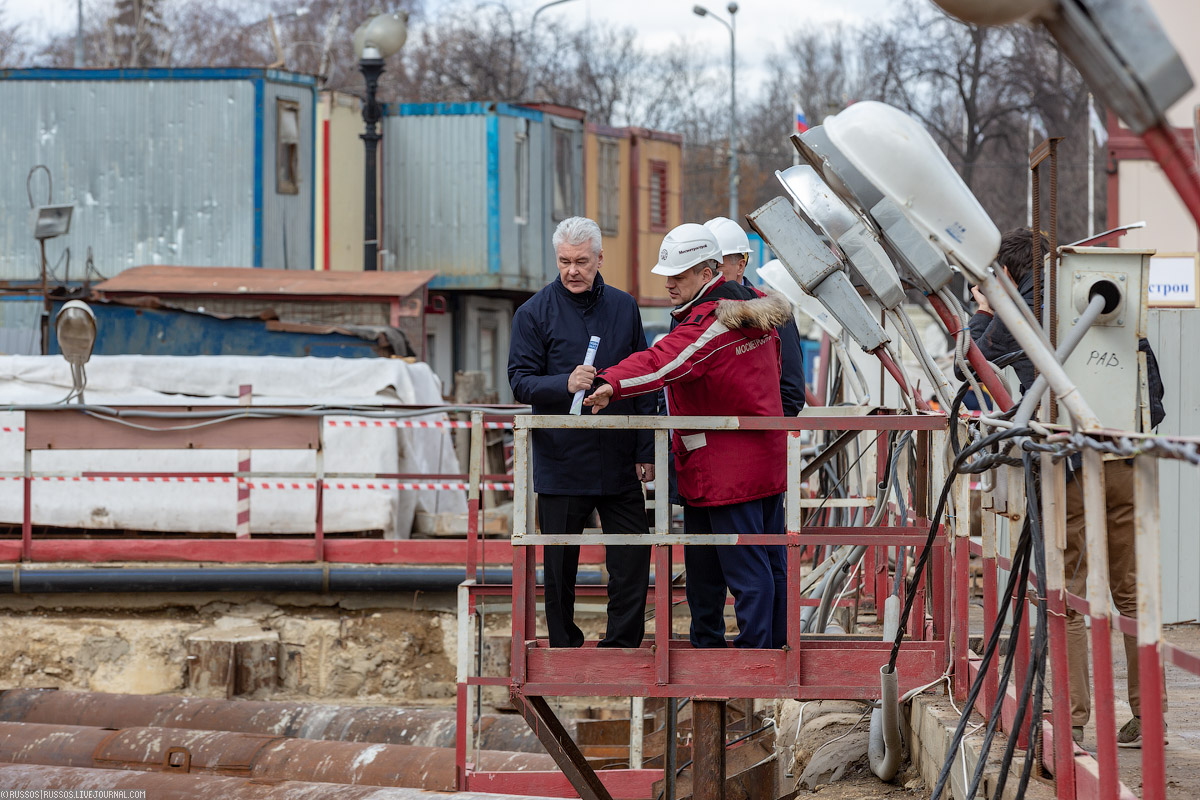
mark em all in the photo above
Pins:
pixel 214 380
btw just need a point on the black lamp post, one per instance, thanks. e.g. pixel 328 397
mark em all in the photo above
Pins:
pixel 371 68
pixel 375 40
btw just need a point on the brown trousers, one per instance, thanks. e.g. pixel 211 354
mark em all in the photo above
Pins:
pixel 1122 579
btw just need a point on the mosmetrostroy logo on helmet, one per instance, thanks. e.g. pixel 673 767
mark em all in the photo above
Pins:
pixel 663 255
pixel 700 246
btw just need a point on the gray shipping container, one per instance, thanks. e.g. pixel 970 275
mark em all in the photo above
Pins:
pixel 475 190
pixel 192 167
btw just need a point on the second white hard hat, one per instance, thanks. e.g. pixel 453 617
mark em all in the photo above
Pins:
pixel 685 247
pixel 729 235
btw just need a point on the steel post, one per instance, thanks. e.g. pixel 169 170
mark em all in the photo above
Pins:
pixel 637 731
pixel 670 769
pixel 708 749
pixel 1054 528
pixel 991 600
pixel 1095 522
pixel 1149 626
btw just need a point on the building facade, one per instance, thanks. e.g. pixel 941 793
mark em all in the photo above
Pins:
pixel 194 167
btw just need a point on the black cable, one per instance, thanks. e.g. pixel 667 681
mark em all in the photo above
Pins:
pixel 959 466
pixel 1037 655
pixel 1020 565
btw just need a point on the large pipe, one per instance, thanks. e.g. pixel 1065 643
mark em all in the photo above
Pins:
pixel 249 755
pixel 425 727
pixel 177 786
pixel 884 746
pixel 25 580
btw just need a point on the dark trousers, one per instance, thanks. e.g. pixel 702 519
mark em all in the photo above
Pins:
pixel 628 566
pixel 756 575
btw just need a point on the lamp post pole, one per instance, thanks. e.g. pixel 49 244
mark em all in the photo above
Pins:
pixel 732 8
pixel 371 68
pixel 733 154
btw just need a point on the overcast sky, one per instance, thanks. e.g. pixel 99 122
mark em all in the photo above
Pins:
pixel 761 24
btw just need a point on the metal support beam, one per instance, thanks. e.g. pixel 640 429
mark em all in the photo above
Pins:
pixel 708 749
pixel 560 746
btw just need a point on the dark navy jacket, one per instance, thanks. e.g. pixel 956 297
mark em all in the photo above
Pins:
pixel 550 336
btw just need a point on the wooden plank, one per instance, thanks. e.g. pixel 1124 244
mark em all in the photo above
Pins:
pixel 63 430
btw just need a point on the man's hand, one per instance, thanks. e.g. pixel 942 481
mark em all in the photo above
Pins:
pixel 599 398
pixel 581 378
pixel 645 472
pixel 981 300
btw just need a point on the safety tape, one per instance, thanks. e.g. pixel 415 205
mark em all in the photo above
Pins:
pixel 386 486
pixel 412 423
pixel 12 430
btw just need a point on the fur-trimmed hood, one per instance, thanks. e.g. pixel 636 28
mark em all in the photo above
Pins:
pixel 763 313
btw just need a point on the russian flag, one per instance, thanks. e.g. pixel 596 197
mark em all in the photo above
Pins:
pixel 801 121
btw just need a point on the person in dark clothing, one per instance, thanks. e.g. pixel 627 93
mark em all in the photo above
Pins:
pixel 994 340
pixel 577 472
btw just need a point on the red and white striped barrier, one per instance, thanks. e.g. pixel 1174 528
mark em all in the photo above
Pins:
pixel 214 479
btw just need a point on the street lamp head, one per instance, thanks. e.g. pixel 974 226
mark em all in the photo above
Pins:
pixel 381 36
pixel 700 11
pixel 732 8
pixel 75 327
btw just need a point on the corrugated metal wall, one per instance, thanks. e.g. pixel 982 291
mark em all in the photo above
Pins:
pixel 435 213
pixel 159 171
pixel 1173 333
pixel 287 232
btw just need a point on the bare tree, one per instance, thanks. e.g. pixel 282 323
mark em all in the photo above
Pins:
pixel 14 47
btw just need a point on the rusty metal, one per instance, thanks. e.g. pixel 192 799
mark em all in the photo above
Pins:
pixel 174 786
pixel 562 748
pixel 249 755
pixel 708 749
pixel 379 724
pixel 245 282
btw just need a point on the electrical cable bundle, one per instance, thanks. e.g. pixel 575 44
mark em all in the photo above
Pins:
pixel 980 456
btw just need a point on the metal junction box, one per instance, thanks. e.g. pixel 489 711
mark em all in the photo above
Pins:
pixel 1105 365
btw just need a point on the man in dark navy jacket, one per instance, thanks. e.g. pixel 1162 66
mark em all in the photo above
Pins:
pixel 576 472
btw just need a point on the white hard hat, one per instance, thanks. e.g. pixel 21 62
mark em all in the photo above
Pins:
pixel 730 236
pixel 685 247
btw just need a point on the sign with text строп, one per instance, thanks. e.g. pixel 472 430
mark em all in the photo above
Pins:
pixel 1173 280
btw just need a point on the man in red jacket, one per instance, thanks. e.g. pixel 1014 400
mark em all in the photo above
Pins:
pixel 721 359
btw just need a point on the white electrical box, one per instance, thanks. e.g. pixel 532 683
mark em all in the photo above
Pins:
pixel 1105 365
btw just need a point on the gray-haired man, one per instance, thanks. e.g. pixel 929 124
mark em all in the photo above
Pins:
pixel 581 471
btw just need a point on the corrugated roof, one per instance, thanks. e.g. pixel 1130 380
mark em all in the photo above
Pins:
pixel 248 281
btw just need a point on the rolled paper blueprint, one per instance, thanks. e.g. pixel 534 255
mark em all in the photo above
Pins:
pixel 589 358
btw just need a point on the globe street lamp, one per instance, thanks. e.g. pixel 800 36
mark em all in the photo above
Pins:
pixel 732 8
pixel 379 37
